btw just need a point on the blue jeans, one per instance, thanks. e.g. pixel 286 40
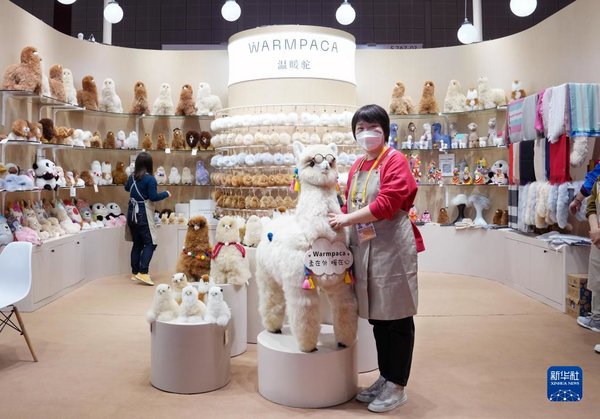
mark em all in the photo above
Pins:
pixel 143 248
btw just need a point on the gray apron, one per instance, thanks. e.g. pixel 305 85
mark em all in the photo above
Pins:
pixel 149 206
pixel 385 268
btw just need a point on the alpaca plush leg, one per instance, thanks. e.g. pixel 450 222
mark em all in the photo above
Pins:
pixel 345 312
pixel 271 303
pixel 304 315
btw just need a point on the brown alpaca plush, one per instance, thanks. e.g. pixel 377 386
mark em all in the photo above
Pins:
pixel 147 142
pixel 47 130
pixel 187 104
pixel 62 136
pixel 205 139
pixel 87 178
pixel 96 141
pixel 88 96
pixel 110 140
pixel 177 143
pixel 443 216
pixel 26 75
pixel 139 106
pixel 428 104
pixel 161 143
pixel 400 103
pixel 35 132
pixel 192 138
pixel 57 87
pixel 194 260
pixel 118 175
pixel 19 130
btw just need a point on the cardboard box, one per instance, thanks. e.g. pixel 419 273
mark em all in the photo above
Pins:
pixel 576 286
pixel 579 307
pixel 577 280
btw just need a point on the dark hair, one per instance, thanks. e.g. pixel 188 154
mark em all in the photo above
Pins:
pixel 372 114
pixel 143 165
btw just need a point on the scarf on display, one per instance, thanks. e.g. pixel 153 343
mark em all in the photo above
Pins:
pixel 539 160
pixel 529 112
pixel 584 107
pixel 559 161
pixel 220 245
pixel 539 113
pixel 515 121
pixel 557 113
pixel 525 161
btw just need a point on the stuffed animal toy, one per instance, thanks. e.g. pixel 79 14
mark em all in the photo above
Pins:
pixel 130 169
pixel 6 234
pixel 100 213
pixel 110 100
pixel 194 260
pixel 428 103
pixel 60 213
pixel 280 258
pixel 26 75
pixel 87 215
pixel 177 143
pixel 455 100
pixel 517 91
pixel 87 178
pixel 81 138
pixel 119 177
pixel 174 176
pixel 480 203
pixel 120 139
pixel 488 97
pixel 202 177
pixel 96 172
pixel 47 130
pixel 473 135
pixel 46 176
pixel 69 84
pixel 161 176
pixel 74 214
pixel 164 307
pixel 186 176
pixel 178 282
pixel 106 168
pixel 204 140
pixel 87 97
pixel 443 216
pixel 25 234
pixel 19 131
pixel 440 140
pixel 57 86
pixel 217 310
pixel 472 100
pixel 426 140
pixel 63 136
pixel 192 139
pixel 96 141
pixel 392 140
pixel 115 215
pixel 186 105
pixel 161 144
pixel 139 105
pixel 45 82
pixel 253 231
pixel 61 181
pixel 229 264
pixel 206 103
pixel 192 309
pixel 110 142
pixel 163 105
pixel 400 103
pixel 132 141
pixel 147 142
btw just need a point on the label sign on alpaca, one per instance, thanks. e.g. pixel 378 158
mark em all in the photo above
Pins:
pixel 327 258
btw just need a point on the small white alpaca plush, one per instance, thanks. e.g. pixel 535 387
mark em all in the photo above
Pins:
pixel 229 264
pixel 81 138
pixel 455 100
pixel 132 141
pixel 206 102
pixel 163 105
pixel 490 98
pixel 186 176
pixel 70 90
pixel 109 99
pixel 191 310
pixel 253 231
pixel 174 176
pixel 161 176
pixel 96 172
pixel 217 310
pixel 106 168
pixel 472 100
pixel 178 282
pixel 120 139
pixel 164 307
pixel 426 138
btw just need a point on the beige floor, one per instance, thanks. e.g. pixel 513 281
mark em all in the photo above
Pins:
pixel 482 351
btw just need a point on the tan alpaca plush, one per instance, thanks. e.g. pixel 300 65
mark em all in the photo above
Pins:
pixel 88 96
pixel 428 104
pixel 186 105
pixel 57 87
pixel 139 106
pixel 26 75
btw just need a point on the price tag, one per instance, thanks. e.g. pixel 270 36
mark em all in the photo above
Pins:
pixel 72 192
pixel 95 188
pixel 327 258
pixel 167 150
pixel 194 151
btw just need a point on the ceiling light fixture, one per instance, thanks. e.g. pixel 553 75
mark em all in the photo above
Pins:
pixel 231 11
pixel 113 13
pixel 467 34
pixel 523 8
pixel 345 14
pixel 66 1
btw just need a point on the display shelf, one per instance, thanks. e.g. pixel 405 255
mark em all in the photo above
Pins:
pixel 252 188
pixel 448 150
pixel 474 113
pixel 283 107
pixel 453 185
pixel 261 212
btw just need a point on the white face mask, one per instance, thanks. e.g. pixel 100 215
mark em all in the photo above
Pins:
pixel 370 140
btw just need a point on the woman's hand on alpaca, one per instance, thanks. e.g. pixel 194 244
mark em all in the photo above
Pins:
pixel 337 221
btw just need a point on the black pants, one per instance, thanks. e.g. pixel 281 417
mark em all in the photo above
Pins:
pixel 143 248
pixel 395 340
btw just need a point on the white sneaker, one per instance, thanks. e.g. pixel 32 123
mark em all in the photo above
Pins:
pixel 390 398
pixel 591 322
pixel 369 394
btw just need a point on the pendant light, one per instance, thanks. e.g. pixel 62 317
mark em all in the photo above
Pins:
pixel 113 13
pixel 467 34
pixel 345 14
pixel 231 11
pixel 67 2
pixel 523 8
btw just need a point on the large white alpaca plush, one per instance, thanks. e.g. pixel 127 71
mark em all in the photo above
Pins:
pixel 229 264
pixel 70 90
pixel 109 99
pixel 217 310
pixel 206 103
pixel 191 309
pixel 488 97
pixel 164 308
pixel 455 100
pixel 280 271
pixel 163 105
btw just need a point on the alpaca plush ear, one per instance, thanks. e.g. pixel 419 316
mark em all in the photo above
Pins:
pixel 298 149
pixel 334 148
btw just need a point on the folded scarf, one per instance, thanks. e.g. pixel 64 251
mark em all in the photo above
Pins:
pixel 559 161
pixel 539 117
pixel 526 172
pixel 528 126
pixel 515 121
pixel 539 160
pixel 584 106
pixel 557 114
pixel 546 109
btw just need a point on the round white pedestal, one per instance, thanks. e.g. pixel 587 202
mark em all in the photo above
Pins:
pixel 189 358
pixel 324 378
pixel 254 321
pixel 236 297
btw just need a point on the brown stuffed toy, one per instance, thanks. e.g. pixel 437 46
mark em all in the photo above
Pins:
pixel 497 217
pixel 194 260
pixel 88 96
pixel 187 104
pixel 205 139
pixel 57 87
pixel 161 143
pixel 19 130
pixel 87 178
pixel 428 104
pixel 177 143
pixel 47 130
pixel 147 142
pixel 35 132
pixel 400 103
pixel 443 216
pixel 192 138
pixel 62 136
pixel 139 106
pixel 96 141
pixel 26 75
pixel 118 175
pixel 110 140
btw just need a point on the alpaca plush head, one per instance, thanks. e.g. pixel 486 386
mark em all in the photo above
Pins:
pixel 454 86
pixel 20 127
pixel 174 172
pixel 109 85
pixel 516 85
pixel 399 89
pixel 165 90
pixel 180 281
pixel 472 127
pixel 492 123
pixel 203 89
pixel 30 55
pixel 215 294
pixel 186 92
pixel 140 89
pixel 189 295
pixel 316 164
pixel 163 292
pixel 227 230
pixel 197 223
pixel 472 94
pixel 89 84
pixel 56 72
pixel 428 88
pixel 67 76
pixel 482 83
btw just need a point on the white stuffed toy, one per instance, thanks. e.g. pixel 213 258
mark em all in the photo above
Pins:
pixel 488 97
pixel 161 176
pixel 178 282
pixel 120 140
pixel 100 213
pixel 229 264
pixel 426 139
pixel 472 100
pixel 132 141
pixel 163 105
pixel 174 176
pixel 96 172
pixel 164 308
pixel 106 169
pixel 109 99
pixel 253 231
pixel 191 310
pixel 46 176
pixel 186 176
pixel 130 169
pixel 217 310
pixel 61 181
pixel 70 90
pixel 455 100
pixel 206 102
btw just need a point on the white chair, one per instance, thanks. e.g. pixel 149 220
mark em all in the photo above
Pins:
pixel 15 283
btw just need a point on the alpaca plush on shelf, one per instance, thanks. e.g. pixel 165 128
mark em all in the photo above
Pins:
pixel 163 105
pixel 164 307
pixel 147 142
pixel 253 232
pixel 428 103
pixel 87 97
pixel 472 100
pixel 229 264
pixel 191 310
pixel 280 270
pixel 120 140
pixel 186 105
pixel 174 176
pixel 489 97
pixel 132 141
pixel 455 100
pixel 206 103
pixel 186 176
pixel 401 104
pixel 161 143
pixel 217 310
pixel 110 100
pixel 57 86
pixel 517 91
pixel 177 143
pixel 161 176
pixel 139 105
pixel 194 260
pixel 110 141
pixel 26 75
pixel 70 91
